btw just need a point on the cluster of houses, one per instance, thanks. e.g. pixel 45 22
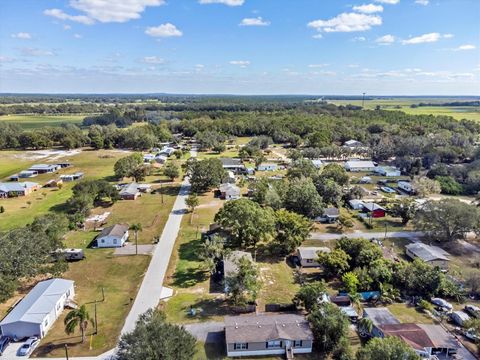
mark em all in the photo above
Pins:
pixel 370 209
pixel 159 156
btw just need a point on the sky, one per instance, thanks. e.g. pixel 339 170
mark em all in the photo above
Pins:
pixel 318 47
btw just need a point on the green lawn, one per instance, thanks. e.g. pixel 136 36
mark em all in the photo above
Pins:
pixel 409 314
pixel 38 121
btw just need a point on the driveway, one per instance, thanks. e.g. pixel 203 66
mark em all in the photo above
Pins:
pixel 412 235
pixel 129 249
pixel 208 332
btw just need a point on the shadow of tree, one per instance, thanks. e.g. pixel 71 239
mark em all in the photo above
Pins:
pixel 209 308
pixel 189 277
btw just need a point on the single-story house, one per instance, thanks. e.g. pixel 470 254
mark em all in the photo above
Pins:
pixel 168 151
pixel 307 255
pixel 14 189
pixel 53 183
pixel 406 186
pixel 267 167
pixel 330 215
pixel 35 314
pixel 442 340
pixel 229 191
pixel 72 177
pixel 230 267
pixel 130 192
pixel 44 168
pixel 235 165
pixel 373 210
pixel 459 317
pixel 359 165
pixel 433 255
pixel 267 335
pixel 387 171
pixel 380 316
pixel 317 163
pixel 411 334
pixel 113 236
pixel 356 204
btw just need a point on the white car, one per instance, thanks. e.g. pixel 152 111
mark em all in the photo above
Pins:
pixel 471 335
pixel 442 303
pixel 28 347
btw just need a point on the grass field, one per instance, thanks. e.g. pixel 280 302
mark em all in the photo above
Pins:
pixel 403 104
pixel 38 121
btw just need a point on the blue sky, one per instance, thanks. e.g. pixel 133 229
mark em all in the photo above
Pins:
pixel 382 47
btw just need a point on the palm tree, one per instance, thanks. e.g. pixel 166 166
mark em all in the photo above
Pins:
pixel 136 228
pixel 78 318
pixel 357 302
pixel 365 327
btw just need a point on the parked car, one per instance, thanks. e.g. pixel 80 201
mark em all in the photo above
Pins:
pixel 471 335
pixel 28 347
pixel 4 342
pixel 442 303
pixel 472 310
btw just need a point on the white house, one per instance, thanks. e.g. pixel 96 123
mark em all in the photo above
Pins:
pixel 307 255
pixel 35 314
pixel 267 167
pixel 387 171
pixel 356 204
pixel 406 186
pixel 229 191
pixel 359 165
pixel 113 236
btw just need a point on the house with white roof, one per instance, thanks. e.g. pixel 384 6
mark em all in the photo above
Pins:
pixel 44 168
pixel 360 165
pixel 35 314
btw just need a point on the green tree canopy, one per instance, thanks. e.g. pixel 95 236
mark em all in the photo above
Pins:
pixel 205 174
pixel 292 230
pixel 389 348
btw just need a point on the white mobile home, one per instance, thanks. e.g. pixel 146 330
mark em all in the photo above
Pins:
pixel 406 186
pixel 267 167
pixel 359 165
pixel 35 313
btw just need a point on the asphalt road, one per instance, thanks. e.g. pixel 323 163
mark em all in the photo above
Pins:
pixel 412 235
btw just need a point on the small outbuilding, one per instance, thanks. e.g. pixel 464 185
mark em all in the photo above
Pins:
pixel 130 192
pixel 373 210
pixel 307 255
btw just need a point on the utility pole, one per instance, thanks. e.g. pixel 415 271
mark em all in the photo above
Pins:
pixel 66 351
pixel 363 100
pixel 96 322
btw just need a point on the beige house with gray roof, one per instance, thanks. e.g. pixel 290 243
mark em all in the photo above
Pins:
pixel 267 334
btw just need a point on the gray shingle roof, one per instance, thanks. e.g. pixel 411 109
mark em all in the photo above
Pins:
pixel 115 230
pixel 261 328
pixel 231 162
pixel 39 302
pixel 428 252
pixel 380 316
pixel 229 262
pixel 307 252
pixel 130 189
pixel 372 206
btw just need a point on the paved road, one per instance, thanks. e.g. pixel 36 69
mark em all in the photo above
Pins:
pixel 412 235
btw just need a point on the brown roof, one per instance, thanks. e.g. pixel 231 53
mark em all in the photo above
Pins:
pixel 411 334
pixel 115 230
pixel 260 328
pixel 440 337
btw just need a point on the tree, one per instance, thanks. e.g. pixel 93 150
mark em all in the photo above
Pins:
pixel 345 221
pixel 404 209
pixel 329 326
pixel 361 252
pixel 365 326
pixel 335 172
pixel 449 185
pixel 334 263
pixel 246 221
pixel 424 186
pixel 302 197
pixel 205 174
pixel 78 318
pixel 171 170
pixel 301 168
pixel 211 251
pixel 350 282
pixel 310 295
pixel 447 220
pixel 291 230
pixel 2 209
pixel 389 348
pixel 192 202
pixel 329 190
pixel 243 286
pixel 155 338
pixel 136 228
pixel 125 167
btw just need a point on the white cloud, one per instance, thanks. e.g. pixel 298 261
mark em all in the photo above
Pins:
pixel 317 36
pixel 241 63
pixel 466 47
pixel 425 38
pixel 66 27
pixel 59 14
pixel 359 38
pixel 258 21
pixel 422 2
pixel 385 40
pixel 353 66
pixel 225 2
pixel 317 65
pixel 368 8
pixel 153 60
pixel 164 30
pixel 390 2
pixel 22 35
pixel 113 11
pixel 5 59
pixel 77 36
pixel 448 36
pixel 28 51
pixel 347 22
